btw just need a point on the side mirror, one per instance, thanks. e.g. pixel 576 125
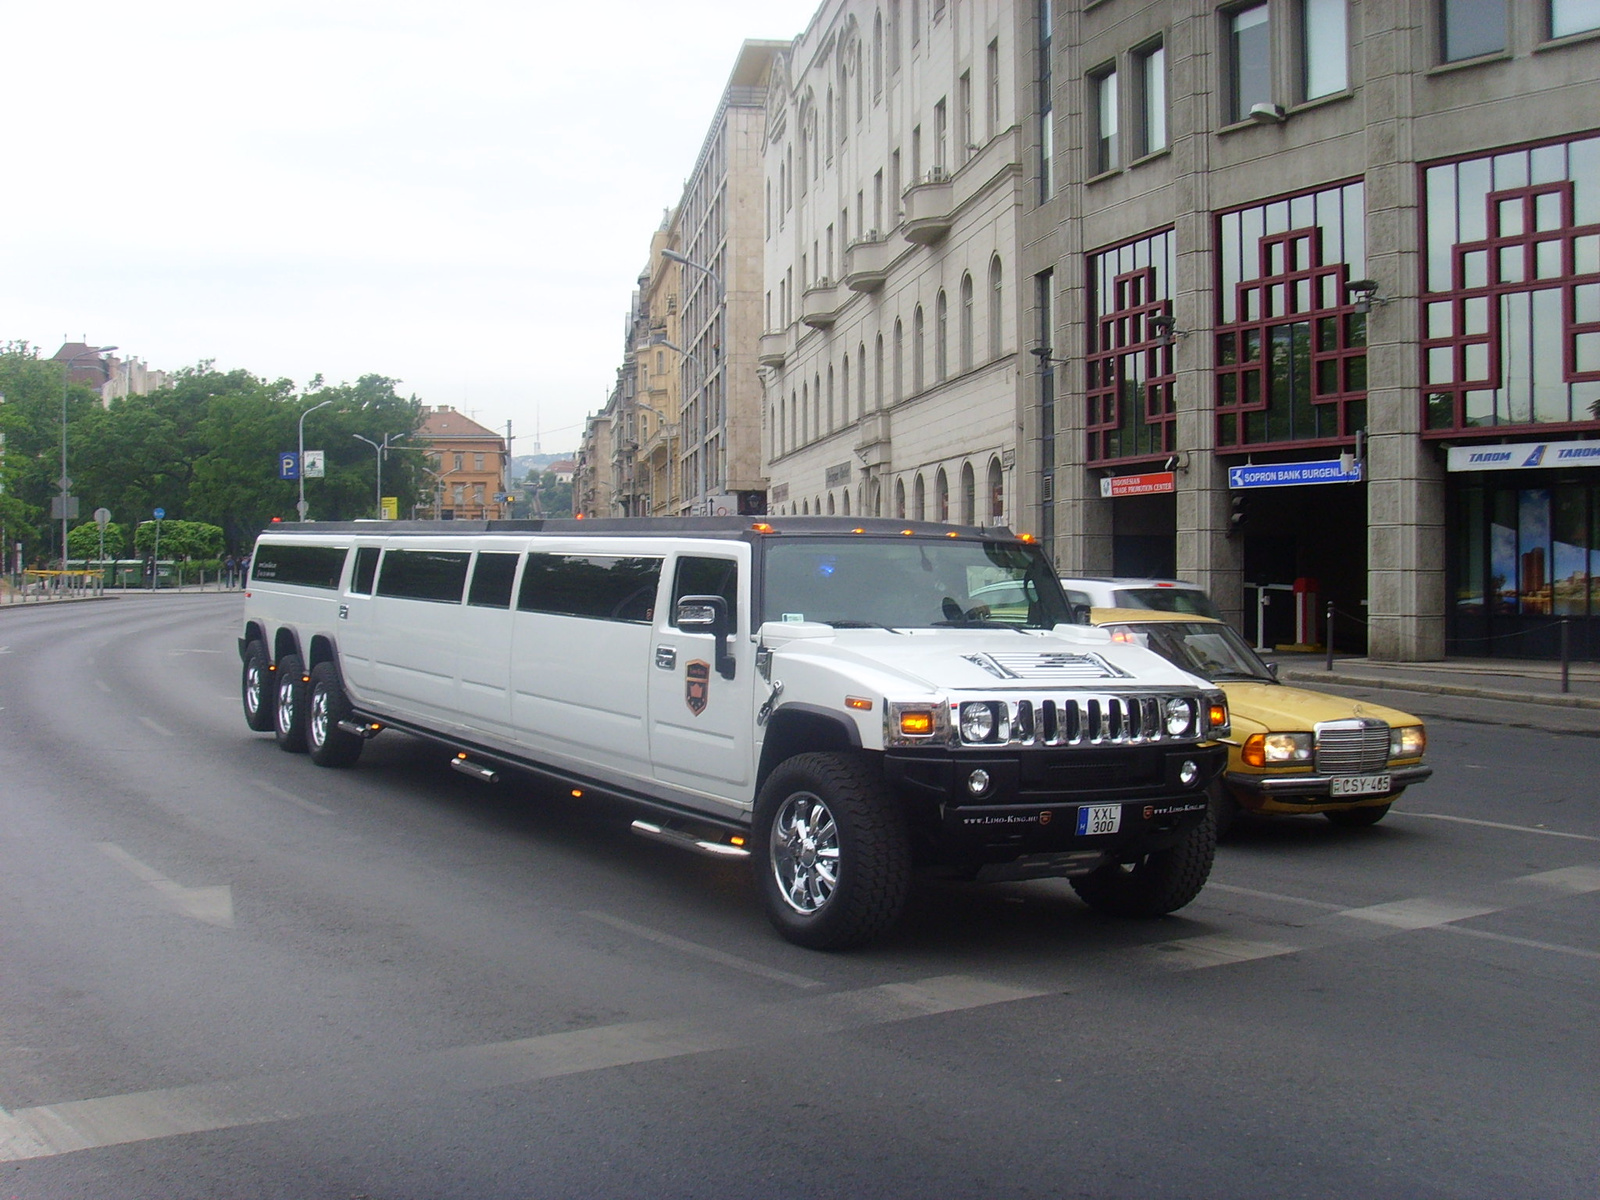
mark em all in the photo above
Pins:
pixel 708 614
pixel 1272 669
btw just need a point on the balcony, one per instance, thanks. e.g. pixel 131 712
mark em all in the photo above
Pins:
pixel 930 208
pixel 820 304
pixel 773 348
pixel 866 263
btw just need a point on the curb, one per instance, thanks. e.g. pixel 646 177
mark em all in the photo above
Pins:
pixel 1443 689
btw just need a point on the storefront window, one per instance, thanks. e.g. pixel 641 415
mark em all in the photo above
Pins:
pixel 1291 341
pixel 1511 307
pixel 1131 410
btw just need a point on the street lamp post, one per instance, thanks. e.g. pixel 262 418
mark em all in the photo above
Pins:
pixel 66 385
pixel 302 506
pixel 701 483
pixel 382 449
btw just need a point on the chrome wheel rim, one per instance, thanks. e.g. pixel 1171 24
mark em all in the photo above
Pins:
pixel 252 689
pixel 805 853
pixel 319 716
pixel 286 707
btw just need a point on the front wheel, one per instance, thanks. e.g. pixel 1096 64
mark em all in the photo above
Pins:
pixel 1357 818
pixel 256 686
pixel 1156 884
pixel 290 726
pixel 832 853
pixel 326 706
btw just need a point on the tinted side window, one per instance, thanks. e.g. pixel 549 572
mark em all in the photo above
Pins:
pixel 307 566
pixel 366 568
pixel 491 579
pixel 603 586
pixel 706 577
pixel 424 575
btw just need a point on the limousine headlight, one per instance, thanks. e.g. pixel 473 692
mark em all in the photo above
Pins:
pixel 981 721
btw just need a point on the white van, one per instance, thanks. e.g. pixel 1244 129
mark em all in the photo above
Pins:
pixel 841 700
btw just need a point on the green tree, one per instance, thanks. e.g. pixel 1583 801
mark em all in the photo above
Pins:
pixel 180 539
pixel 83 541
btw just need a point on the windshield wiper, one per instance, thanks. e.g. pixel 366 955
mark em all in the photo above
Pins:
pixel 846 624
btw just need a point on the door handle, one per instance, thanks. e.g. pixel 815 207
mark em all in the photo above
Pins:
pixel 666 657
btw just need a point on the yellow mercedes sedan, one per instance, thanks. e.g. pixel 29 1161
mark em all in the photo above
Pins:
pixel 1293 750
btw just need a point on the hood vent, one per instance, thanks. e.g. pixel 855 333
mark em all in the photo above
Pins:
pixel 1057 666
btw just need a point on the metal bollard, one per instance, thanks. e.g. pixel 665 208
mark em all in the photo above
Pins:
pixel 1566 658
pixel 1327 633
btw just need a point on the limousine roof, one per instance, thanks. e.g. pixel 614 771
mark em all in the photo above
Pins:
pixel 721 527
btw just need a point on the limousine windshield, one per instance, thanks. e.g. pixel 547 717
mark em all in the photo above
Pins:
pixel 861 582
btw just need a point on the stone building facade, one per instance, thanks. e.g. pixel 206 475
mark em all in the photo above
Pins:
pixel 892 189
pixel 1309 283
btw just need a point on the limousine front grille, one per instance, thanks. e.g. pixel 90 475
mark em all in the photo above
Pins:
pixel 1352 747
pixel 1104 719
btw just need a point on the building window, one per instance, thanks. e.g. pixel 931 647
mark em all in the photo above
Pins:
pixel 460 461
pixel 919 500
pixel 861 380
pixel 1044 307
pixel 1324 57
pixel 1511 301
pixel 941 138
pixel 877 372
pixel 1470 28
pixel 900 498
pixel 1573 16
pixel 477 462
pixel 877 56
pixel 1046 90
pixel 991 115
pixel 966 322
pixel 827 427
pixel 966 132
pixel 969 495
pixel 918 349
pixel 941 495
pixel 1103 112
pixel 996 312
pixel 899 361
pixel 1132 412
pixel 1150 77
pixel 1249 60
pixel 997 492
pixel 893 34
pixel 941 338
pixel 1291 344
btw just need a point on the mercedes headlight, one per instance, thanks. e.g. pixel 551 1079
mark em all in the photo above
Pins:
pixel 1407 741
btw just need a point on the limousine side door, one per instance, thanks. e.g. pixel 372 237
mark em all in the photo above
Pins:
pixel 701 724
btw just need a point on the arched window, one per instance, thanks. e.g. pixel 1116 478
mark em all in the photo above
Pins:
pixel 899 364
pixel 875 495
pixel 794 419
pixel 900 498
pixel 830 504
pixel 996 312
pixel 828 415
pixel 805 416
pixel 916 350
pixel 877 372
pixel 816 408
pixel 941 338
pixel 805 508
pixel 877 56
pixel 966 322
pixel 844 391
pixel 845 497
pixel 861 380
pixel 830 126
pixel 941 493
pixel 919 500
pixel 997 495
pixel 893 35
pixel 969 495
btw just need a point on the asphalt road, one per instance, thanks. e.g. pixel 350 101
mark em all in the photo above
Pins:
pixel 225 972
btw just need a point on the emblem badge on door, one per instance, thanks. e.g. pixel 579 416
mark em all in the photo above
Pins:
pixel 696 684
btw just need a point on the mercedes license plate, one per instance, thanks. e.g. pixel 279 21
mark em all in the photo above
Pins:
pixel 1361 785
pixel 1099 818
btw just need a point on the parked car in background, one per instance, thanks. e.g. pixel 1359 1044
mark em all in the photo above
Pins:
pixel 1293 750
pixel 1163 595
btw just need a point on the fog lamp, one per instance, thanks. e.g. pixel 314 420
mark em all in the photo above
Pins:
pixel 1188 773
pixel 978 782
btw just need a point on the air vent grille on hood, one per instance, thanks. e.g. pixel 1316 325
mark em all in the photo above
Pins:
pixel 1047 666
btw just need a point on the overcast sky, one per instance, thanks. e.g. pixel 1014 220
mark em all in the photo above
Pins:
pixel 459 195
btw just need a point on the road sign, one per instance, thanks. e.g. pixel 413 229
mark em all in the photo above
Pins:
pixel 71 513
pixel 161 514
pixel 288 465
pixel 1332 470
pixel 312 467
pixel 1138 485
pixel 102 517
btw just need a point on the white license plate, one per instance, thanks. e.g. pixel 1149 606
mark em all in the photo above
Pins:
pixel 1361 785
pixel 1099 818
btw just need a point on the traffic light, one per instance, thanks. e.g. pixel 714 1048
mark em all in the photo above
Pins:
pixel 1235 513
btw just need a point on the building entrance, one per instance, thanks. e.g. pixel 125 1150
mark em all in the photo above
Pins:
pixel 1315 535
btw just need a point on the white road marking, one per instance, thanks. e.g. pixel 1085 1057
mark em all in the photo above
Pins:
pixel 292 798
pixel 161 729
pixel 213 905
pixel 1576 880
pixel 103 686
pixel 1517 941
pixel 1423 912
pixel 708 953
pixel 1582 837
pixel 52 1129
pixel 1244 891
pixel 1215 950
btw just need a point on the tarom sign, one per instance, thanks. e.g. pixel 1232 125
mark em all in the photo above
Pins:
pixel 1138 485
pixel 1524 456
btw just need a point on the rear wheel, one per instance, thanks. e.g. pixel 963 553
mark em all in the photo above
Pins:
pixel 290 724
pixel 832 853
pixel 326 706
pixel 256 686
pixel 1357 818
pixel 1156 884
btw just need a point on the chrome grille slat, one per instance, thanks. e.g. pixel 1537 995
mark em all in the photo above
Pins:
pixel 1353 747
pixel 1086 720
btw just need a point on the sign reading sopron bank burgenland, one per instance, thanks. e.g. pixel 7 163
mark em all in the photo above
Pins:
pixel 1332 470
pixel 1523 456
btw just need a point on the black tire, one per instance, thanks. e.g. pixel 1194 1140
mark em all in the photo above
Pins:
pixel 831 850
pixel 326 706
pixel 1224 808
pixel 289 724
pixel 259 688
pixel 1357 818
pixel 1159 883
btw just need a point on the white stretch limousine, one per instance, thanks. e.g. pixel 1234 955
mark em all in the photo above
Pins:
pixel 842 701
